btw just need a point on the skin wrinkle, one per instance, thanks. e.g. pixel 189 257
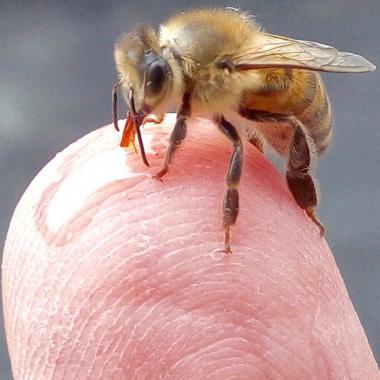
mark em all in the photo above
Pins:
pixel 112 343
pixel 111 237
pixel 148 358
pixel 188 349
pixel 152 326
pixel 22 272
pixel 81 331
pixel 163 299
pixel 160 330
pixel 278 341
pixel 197 374
pixel 16 310
pixel 223 369
pixel 288 344
pixel 89 318
pixel 171 259
pixel 310 271
pixel 274 300
pixel 171 240
pixel 320 344
pixel 121 350
pixel 216 317
pixel 206 284
pixel 17 243
pixel 30 312
pixel 185 339
pixel 179 242
pixel 285 337
pixel 162 218
pixel 289 280
pixel 82 279
pixel 272 367
pixel 34 357
pixel 117 320
pixel 208 350
pixel 90 348
pixel 211 298
pixel 94 311
pixel 193 275
pixel 319 350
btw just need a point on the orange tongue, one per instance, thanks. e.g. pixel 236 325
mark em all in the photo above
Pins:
pixel 128 138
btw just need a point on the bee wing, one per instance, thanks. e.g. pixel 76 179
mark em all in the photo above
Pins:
pixel 277 51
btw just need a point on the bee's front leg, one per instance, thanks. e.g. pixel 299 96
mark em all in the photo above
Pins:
pixel 231 195
pixel 177 136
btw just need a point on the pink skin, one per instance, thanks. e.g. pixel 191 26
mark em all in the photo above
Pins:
pixel 108 274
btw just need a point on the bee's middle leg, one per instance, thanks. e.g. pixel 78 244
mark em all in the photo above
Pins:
pixel 231 195
pixel 177 136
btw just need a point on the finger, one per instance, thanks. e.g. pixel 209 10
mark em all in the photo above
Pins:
pixel 110 275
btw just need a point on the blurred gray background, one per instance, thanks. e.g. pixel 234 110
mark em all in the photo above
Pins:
pixel 56 74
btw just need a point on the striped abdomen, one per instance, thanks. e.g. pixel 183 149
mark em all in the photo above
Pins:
pixel 292 92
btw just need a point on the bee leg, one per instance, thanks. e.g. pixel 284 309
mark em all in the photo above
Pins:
pixel 177 136
pixel 231 195
pixel 298 176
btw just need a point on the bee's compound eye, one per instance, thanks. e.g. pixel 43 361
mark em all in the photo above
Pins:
pixel 155 78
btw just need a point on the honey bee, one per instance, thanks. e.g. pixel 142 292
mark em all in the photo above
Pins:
pixel 255 86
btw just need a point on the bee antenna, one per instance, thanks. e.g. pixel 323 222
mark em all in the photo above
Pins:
pixel 115 88
pixel 137 123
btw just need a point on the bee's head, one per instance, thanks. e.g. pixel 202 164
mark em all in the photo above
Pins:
pixel 144 73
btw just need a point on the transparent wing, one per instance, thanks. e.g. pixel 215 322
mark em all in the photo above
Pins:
pixel 277 51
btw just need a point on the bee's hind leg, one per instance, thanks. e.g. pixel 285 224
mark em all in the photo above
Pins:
pixel 298 176
pixel 300 181
pixel 231 195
